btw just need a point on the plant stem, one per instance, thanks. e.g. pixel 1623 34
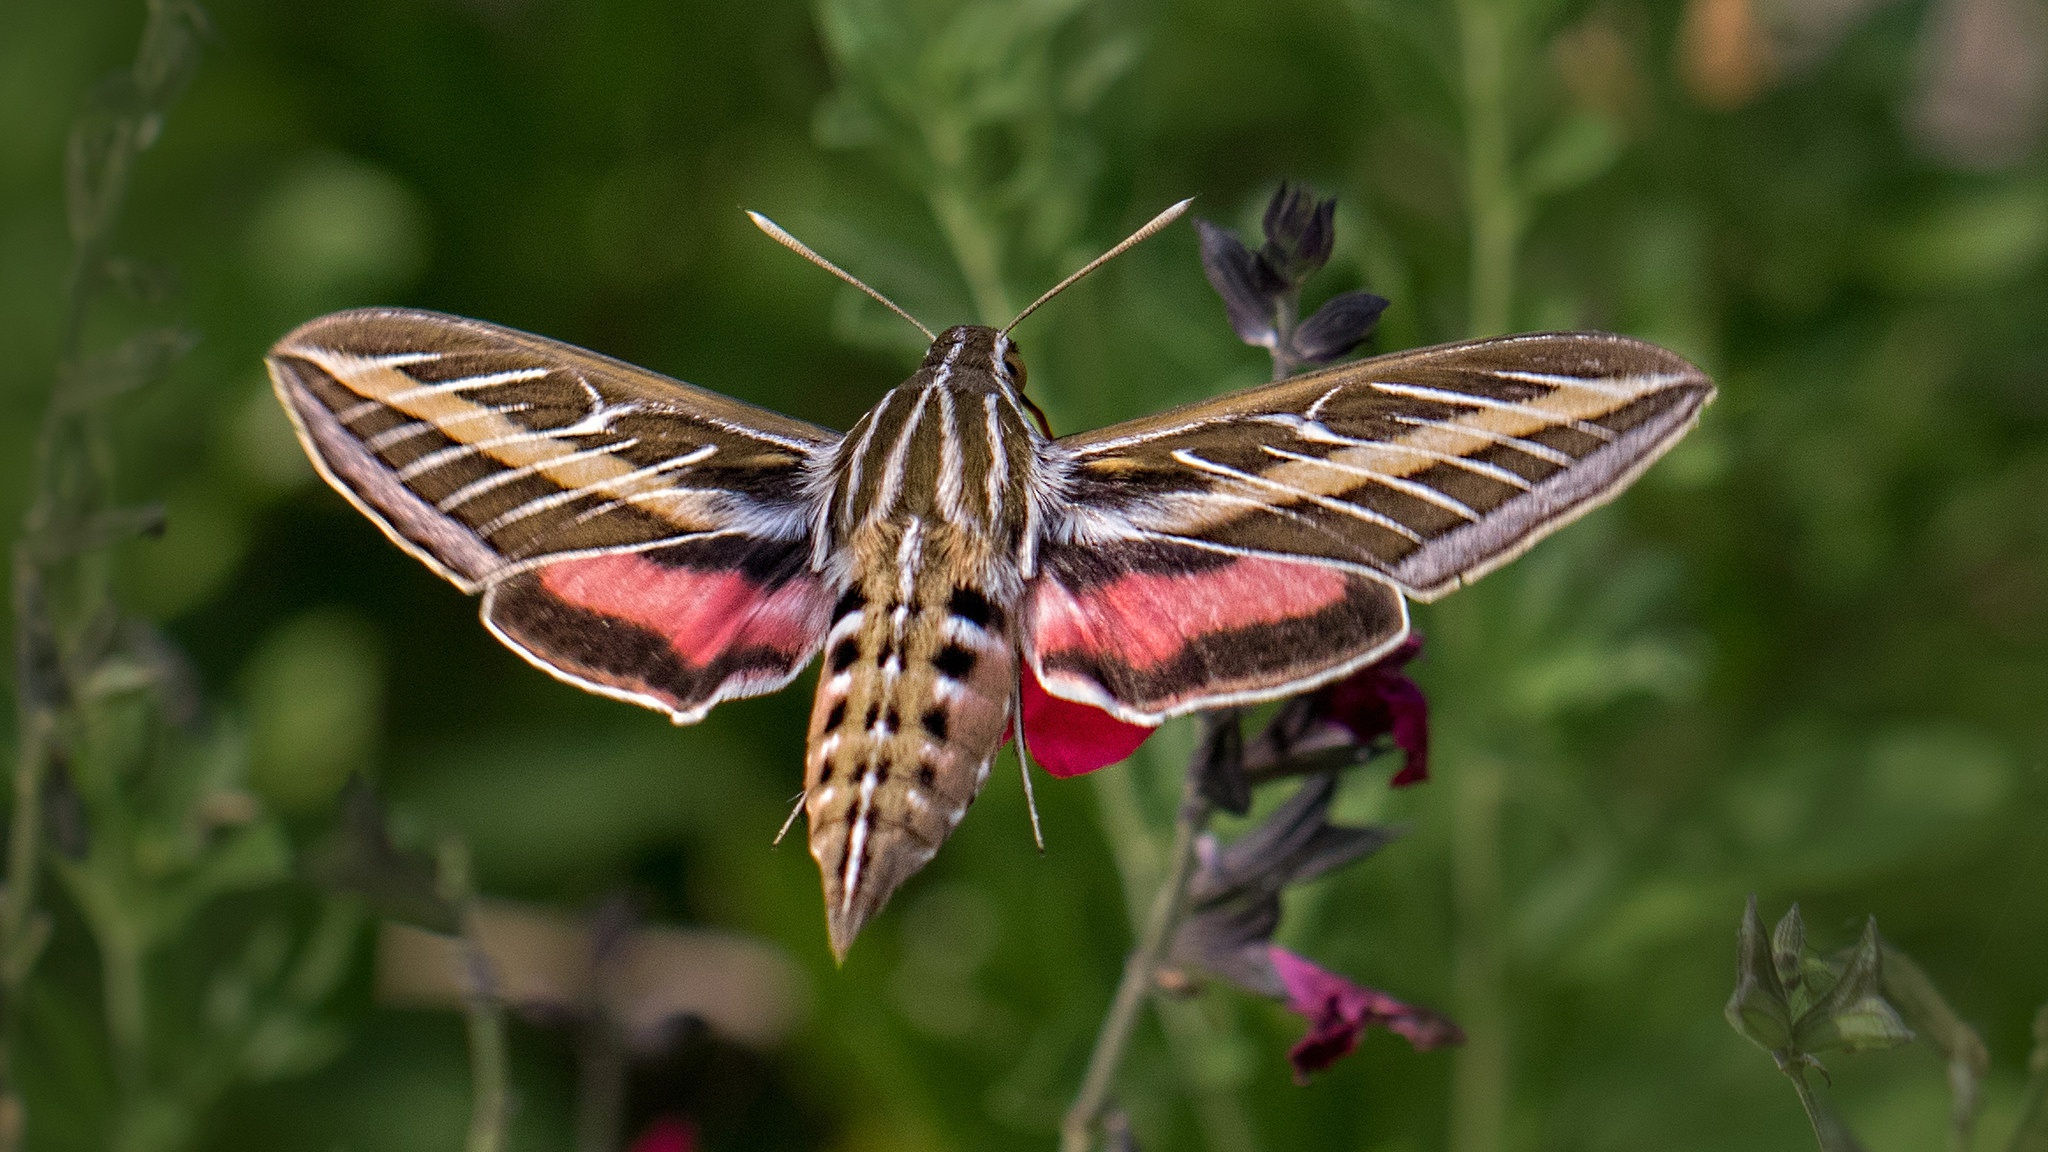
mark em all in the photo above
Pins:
pixel 486 1027
pixel 1484 33
pixel 2030 1134
pixel 21 929
pixel 72 473
pixel 1480 1077
pixel 1077 1133
pixel 976 248
pixel 1828 1130
pixel 483 1015
pixel 600 1085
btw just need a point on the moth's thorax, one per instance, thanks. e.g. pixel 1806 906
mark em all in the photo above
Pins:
pixel 953 444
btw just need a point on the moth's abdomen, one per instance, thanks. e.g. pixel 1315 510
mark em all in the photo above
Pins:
pixel 912 698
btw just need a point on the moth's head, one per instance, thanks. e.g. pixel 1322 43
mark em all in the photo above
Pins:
pixel 977 348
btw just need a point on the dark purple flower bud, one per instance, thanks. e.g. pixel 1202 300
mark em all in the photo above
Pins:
pixel 1295 844
pixel 1380 700
pixel 1339 1012
pixel 1300 231
pixel 1340 325
pixel 1219 764
pixel 1235 895
pixel 1230 942
pixel 361 860
pixel 1249 289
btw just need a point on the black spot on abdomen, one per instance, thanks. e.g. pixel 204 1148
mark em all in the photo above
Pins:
pixel 954 662
pixel 844 654
pixel 973 607
pixel 853 600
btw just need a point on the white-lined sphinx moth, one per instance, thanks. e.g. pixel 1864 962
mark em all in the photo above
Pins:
pixel 661 543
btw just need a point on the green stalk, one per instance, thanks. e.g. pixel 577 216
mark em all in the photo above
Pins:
pixel 1828 1130
pixel 1077 1133
pixel 977 248
pixel 22 928
pixel 59 589
pixel 485 1024
pixel 1480 1076
pixel 483 1013
pixel 127 1004
pixel 1485 32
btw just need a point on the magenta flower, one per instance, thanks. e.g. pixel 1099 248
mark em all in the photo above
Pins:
pixel 1235 910
pixel 1339 1012
pixel 666 1134
pixel 1380 700
pixel 1071 739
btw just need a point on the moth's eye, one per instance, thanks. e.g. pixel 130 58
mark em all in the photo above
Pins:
pixel 1014 365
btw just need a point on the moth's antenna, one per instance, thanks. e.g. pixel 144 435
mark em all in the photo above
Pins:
pixel 1024 764
pixel 1156 223
pixel 797 246
pixel 800 797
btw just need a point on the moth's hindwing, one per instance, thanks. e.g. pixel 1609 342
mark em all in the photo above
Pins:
pixel 1429 468
pixel 1148 629
pixel 485 451
pixel 679 627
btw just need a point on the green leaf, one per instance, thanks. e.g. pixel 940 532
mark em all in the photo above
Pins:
pixel 1788 946
pixel 2031 1133
pixel 1758 1008
pixel 1853 1016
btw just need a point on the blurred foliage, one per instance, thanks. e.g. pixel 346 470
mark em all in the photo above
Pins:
pixel 1806 657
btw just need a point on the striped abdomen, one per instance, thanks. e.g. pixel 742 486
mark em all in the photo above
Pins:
pixel 929 511
pixel 912 698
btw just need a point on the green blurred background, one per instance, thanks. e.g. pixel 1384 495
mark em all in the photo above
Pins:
pixel 1807 657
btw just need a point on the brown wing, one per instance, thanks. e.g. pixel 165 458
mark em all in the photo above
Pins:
pixel 486 452
pixel 1428 468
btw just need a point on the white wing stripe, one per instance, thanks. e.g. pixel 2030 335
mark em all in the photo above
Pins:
pixel 1468 400
pixel 1420 491
pixel 476 488
pixel 1543 452
pixel 1345 507
pixel 465 384
pixel 618 487
pixel 1618 387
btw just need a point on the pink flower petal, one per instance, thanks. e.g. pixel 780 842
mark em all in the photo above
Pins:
pixel 1071 739
pixel 666 1134
pixel 1380 700
pixel 1339 1012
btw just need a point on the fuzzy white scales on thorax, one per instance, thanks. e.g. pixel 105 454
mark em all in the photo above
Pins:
pixel 926 525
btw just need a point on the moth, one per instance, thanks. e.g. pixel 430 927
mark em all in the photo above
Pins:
pixel 673 547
